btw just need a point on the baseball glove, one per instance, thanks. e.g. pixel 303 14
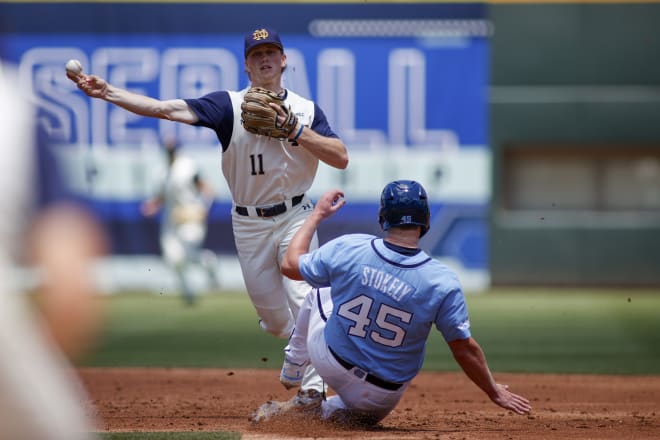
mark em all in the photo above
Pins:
pixel 258 117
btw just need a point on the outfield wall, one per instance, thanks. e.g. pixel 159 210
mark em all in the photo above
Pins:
pixel 534 126
pixel 575 135
pixel 402 84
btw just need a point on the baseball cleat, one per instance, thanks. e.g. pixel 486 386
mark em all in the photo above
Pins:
pixel 307 400
pixel 292 373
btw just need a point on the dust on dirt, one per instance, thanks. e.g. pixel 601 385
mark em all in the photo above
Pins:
pixel 436 406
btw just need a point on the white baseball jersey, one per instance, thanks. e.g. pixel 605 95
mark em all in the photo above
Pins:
pixel 265 171
pixel 262 172
pixel 184 212
pixel 183 202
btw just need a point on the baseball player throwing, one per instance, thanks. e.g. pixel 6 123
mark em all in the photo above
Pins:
pixel 365 324
pixel 185 197
pixel 267 176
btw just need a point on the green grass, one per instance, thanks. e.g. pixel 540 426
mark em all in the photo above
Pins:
pixel 550 331
pixel 564 331
pixel 221 330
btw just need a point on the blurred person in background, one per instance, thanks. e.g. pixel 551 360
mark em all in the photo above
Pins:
pixel 185 198
pixel 41 397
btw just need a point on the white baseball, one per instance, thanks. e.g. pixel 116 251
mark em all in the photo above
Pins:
pixel 74 66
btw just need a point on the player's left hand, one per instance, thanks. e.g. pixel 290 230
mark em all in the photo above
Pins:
pixel 511 401
pixel 329 203
pixel 284 119
pixel 263 112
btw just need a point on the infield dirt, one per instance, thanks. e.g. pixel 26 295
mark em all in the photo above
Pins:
pixel 436 406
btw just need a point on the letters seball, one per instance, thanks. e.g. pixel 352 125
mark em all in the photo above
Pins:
pixel 74 66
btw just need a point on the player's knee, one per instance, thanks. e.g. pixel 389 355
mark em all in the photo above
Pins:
pixel 174 259
pixel 177 264
pixel 278 328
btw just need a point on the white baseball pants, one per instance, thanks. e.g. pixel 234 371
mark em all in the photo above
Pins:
pixel 353 392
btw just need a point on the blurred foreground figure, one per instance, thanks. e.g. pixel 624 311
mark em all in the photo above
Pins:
pixel 185 198
pixel 40 394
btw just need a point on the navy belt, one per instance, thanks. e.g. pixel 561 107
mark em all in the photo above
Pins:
pixel 392 386
pixel 271 211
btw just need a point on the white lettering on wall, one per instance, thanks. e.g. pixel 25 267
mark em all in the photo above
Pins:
pixel 407 106
pixel 336 86
pixel 193 72
pixel 122 67
pixel 65 114
pixel 295 75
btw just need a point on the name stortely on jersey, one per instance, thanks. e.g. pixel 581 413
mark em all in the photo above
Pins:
pixel 377 309
pixel 385 283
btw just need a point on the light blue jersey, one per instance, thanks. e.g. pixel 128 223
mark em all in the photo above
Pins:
pixel 385 303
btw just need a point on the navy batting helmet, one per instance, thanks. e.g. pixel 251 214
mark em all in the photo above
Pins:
pixel 404 202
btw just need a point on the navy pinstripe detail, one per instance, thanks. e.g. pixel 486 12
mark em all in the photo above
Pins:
pixel 318 301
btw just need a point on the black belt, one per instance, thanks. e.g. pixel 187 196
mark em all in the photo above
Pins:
pixel 271 211
pixel 370 377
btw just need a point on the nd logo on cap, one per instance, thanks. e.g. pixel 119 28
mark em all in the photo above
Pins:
pixel 263 35
pixel 260 34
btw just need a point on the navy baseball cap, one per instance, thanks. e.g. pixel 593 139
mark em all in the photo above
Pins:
pixel 262 35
